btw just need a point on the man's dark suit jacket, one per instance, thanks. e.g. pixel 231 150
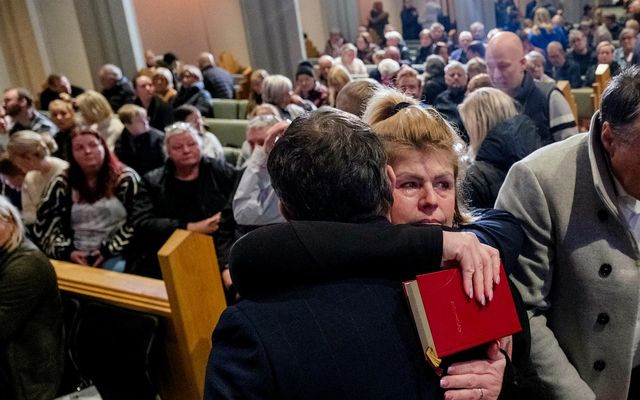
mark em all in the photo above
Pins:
pixel 570 71
pixel 324 315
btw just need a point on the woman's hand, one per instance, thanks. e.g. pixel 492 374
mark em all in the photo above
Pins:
pixel 79 257
pixel 474 380
pixel 206 226
pixel 96 258
pixel 479 263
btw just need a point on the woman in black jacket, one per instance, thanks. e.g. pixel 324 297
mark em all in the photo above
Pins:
pixel 498 137
pixel 188 192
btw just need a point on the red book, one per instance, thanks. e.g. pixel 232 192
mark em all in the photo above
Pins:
pixel 448 321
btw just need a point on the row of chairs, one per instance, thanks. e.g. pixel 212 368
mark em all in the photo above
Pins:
pixel 229 108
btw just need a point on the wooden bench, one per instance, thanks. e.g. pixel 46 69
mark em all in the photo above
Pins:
pixel 190 301
pixel 603 76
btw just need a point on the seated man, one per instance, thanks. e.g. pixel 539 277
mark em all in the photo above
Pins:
pixel 562 68
pixel 115 86
pixel 254 202
pixel 579 51
pixel 18 103
pixel 338 336
pixel 139 146
pixel 217 81
pixel 58 87
pixel 193 92
pixel 455 76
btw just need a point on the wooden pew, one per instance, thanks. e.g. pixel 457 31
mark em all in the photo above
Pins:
pixel 190 299
pixel 565 88
pixel 603 76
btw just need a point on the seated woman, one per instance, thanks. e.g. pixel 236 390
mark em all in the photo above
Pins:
pixel 31 324
pixel 255 95
pixel 308 88
pixel 348 59
pixel 188 192
pixel 30 151
pixel 85 213
pixel 163 83
pixel 278 91
pixel 63 115
pixel 498 137
pixel 425 154
pixel 96 112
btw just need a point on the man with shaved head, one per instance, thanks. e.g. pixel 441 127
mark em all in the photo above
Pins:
pixel 543 103
pixel 217 81
pixel 562 68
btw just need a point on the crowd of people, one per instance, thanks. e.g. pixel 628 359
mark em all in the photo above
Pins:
pixel 456 149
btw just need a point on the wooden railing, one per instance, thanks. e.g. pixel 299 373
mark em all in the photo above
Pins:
pixel 190 299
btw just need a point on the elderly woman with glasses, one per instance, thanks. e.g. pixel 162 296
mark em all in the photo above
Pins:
pixel 188 192
pixel 31 335
pixel 84 214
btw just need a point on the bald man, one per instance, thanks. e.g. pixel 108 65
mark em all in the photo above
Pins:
pixel 541 102
pixel 563 68
pixel 217 81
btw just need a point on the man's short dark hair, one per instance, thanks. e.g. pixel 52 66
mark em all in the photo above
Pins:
pixel 477 47
pixel 621 101
pixel 330 166
pixel 23 93
pixel 181 113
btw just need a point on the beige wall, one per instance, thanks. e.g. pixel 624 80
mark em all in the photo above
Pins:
pixel 313 22
pixel 189 27
pixel 63 41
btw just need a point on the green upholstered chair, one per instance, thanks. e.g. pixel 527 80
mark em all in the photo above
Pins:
pixel 231 132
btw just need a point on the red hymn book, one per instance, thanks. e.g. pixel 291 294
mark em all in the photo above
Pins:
pixel 448 321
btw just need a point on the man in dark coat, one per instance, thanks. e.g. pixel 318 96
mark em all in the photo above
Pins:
pixel 193 92
pixel 447 102
pixel 139 146
pixel 217 81
pixel 562 68
pixel 337 331
pixel 115 86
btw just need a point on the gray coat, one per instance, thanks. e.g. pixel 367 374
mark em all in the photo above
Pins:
pixel 578 270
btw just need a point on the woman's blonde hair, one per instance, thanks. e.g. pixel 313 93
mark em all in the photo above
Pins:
pixel 31 143
pixel 403 125
pixel 10 214
pixel 93 107
pixel 337 78
pixel 481 111
pixel 542 20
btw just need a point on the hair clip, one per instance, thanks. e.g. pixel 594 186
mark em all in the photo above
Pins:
pixel 399 107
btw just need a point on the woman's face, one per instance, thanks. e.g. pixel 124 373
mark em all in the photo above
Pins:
pixel 256 85
pixel 348 56
pixel 160 84
pixel 361 44
pixel 536 68
pixel 305 83
pixel 6 229
pixel 425 190
pixel 88 153
pixel 25 161
pixel 62 116
pixel 184 150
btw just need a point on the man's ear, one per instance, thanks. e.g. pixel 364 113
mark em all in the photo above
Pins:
pixel 391 175
pixel 608 139
pixel 283 210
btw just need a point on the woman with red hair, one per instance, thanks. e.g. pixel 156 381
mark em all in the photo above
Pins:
pixel 84 214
